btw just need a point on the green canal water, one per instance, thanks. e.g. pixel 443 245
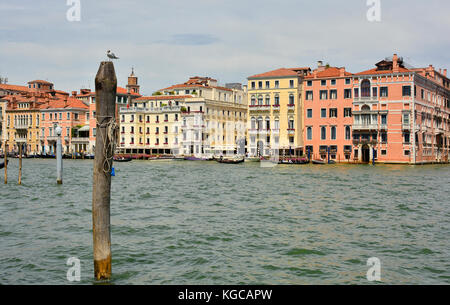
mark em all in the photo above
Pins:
pixel 207 223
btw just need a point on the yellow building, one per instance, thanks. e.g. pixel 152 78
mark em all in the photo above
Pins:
pixel 275 112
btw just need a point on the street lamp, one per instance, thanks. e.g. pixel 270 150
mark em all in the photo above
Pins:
pixel 59 164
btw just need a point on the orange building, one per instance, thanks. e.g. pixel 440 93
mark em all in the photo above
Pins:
pixel 401 114
pixel 68 113
pixel 328 113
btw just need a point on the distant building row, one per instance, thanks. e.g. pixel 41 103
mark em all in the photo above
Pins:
pixel 392 113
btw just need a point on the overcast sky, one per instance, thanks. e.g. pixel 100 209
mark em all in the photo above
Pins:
pixel 167 41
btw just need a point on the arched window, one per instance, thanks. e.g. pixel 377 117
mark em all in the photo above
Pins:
pixel 267 123
pixel 260 100
pixel 323 133
pixel 365 108
pixel 365 88
pixel 253 101
pixel 253 123
pixel 333 132
pixel 260 123
pixel 309 133
pixel 277 100
pixel 267 99
pixel 291 99
pixel 347 133
pixel 277 124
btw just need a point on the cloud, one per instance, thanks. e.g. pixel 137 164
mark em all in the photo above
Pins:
pixel 190 40
pixel 167 40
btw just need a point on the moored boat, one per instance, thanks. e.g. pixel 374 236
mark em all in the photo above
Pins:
pixel 321 162
pixel 192 158
pixel 2 165
pixel 122 159
pixel 230 161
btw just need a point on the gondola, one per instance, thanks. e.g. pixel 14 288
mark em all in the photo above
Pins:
pixel 321 162
pixel 230 161
pixel 191 158
pixel 122 159
pixel 2 165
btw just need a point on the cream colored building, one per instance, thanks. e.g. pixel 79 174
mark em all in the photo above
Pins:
pixel 214 118
pixel 151 126
pixel 275 112
pixel 196 118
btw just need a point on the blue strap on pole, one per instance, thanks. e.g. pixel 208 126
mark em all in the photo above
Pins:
pixel 113 172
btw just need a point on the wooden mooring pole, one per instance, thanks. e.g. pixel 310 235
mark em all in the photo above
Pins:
pixel 20 163
pixel 105 87
pixel 6 162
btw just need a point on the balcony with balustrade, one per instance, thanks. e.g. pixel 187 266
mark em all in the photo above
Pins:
pixel 259 108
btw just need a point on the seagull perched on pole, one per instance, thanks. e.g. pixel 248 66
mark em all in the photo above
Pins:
pixel 111 55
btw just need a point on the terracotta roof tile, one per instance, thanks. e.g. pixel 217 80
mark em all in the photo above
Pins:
pixel 15 88
pixel 275 73
pixel 328 72
pixel 376 71
pixel 162 97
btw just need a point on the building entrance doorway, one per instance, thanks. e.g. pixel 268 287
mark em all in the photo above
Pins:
pixel 365 154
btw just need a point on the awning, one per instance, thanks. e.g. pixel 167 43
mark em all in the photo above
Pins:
pixel 84 128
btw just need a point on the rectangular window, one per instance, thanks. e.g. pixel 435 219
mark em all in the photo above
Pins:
pixel 347 112
pixel 406 119
pixel 333 82
pixel 383 152
pixel 347 81
pixel 309 95
pixel 267 84
pixel 347 93
pixel 323 94
pixel 323 113
pixel 384 137
pixel 333 94
pixel 384 92
pixel 309 113
pixel 356 92
pixel 323 82
pixel 309 83
pixel 333 112
pixel 277 84
pixel 291 83
pixel 253 85
pixel 383 119
pixel 406 138
pixel 374 92
pixel 406 90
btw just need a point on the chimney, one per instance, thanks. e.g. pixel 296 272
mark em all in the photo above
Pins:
pixel 74 93
pixel 395 65
pixel 319 64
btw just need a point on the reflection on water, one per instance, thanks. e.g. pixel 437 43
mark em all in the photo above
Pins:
pixel 207 223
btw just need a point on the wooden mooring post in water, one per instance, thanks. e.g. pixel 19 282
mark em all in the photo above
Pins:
pixel 6 162
pixel 20 163
pixel 105 88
